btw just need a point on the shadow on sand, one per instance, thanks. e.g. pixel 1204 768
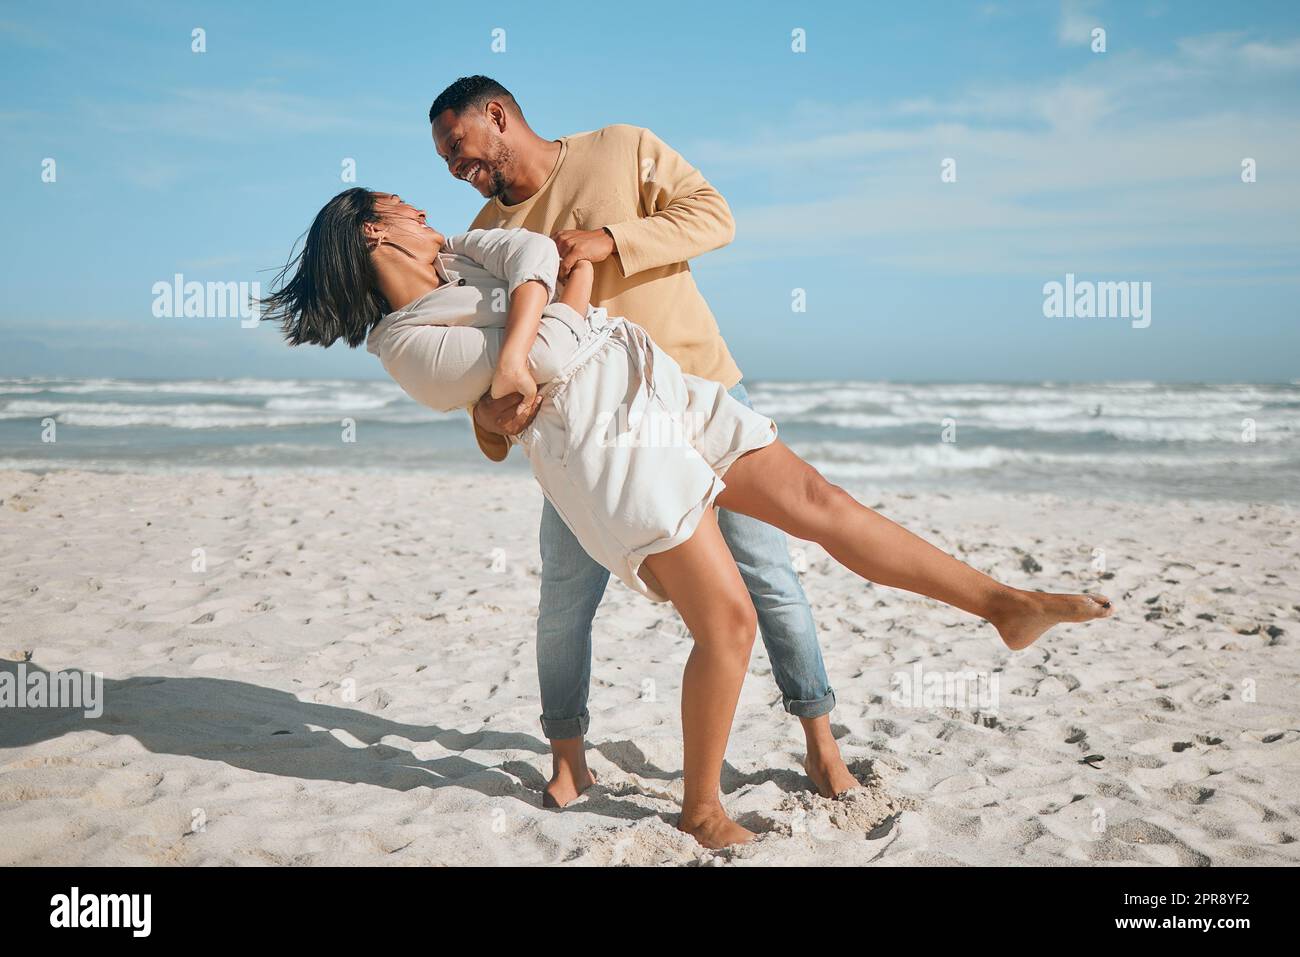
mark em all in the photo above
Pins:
pixel 272 732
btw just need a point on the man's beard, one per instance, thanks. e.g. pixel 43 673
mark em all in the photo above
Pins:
pixel 502 158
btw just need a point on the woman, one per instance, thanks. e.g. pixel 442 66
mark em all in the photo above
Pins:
pixel 632 451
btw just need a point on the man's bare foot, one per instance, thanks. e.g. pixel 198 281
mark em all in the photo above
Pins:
pixel 569 773
pixel 565 786
pixel 830 775
pixel 1029 614
pixel 714 829
pixel 824 766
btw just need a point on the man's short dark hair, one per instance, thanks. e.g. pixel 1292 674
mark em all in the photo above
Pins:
pixel 470 91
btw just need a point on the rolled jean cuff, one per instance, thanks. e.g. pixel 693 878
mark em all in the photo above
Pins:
pixel 556 729
pixel 811 707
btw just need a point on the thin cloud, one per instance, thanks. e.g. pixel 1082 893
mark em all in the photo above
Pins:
pixel 236 115
pixel 1126 166
pixel 1077 22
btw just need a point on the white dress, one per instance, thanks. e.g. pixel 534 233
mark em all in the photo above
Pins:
pixel 629 449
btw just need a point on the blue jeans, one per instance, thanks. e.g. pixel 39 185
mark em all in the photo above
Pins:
pixel 573 585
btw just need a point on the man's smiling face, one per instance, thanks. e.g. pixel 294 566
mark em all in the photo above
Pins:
pixel 474 150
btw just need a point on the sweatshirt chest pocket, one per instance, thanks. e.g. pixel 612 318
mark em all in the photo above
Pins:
pixel 600 213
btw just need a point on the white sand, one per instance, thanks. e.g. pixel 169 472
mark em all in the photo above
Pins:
pixel 228 735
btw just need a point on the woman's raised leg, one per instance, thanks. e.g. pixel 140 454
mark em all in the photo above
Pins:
pixel 776 486
pixel 701 579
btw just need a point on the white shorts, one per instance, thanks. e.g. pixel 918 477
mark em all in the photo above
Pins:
pixel 631 450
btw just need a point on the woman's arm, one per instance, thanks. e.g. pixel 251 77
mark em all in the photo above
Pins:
pixel 512 373
pixel 527 262
pixel 577 287
pixel 525 316
pixel 515 256
pixel 493 419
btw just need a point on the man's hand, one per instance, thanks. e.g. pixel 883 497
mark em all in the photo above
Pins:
pixel 593 245
pixel 501 416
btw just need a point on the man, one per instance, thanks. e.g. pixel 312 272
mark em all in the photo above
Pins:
pixel 623 199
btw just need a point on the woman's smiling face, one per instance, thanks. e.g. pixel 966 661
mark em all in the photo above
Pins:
pixel 403 224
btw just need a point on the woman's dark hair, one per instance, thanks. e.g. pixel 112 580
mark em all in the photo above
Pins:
pixel 332 293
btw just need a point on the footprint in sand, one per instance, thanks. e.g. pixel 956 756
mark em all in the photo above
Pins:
pixel 645 844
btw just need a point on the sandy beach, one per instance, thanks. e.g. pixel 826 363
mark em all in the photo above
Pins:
pixel 339 669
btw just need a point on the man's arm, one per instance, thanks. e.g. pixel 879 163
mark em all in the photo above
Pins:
pixel 688 217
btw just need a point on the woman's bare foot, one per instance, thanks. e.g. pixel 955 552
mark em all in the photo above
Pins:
pixel 824 766
pixel 1029 614
pixel 714 829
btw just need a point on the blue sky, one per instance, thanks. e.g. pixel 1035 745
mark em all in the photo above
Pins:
pixel 1115 166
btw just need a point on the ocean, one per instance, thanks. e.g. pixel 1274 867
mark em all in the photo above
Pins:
pixel 1125 440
